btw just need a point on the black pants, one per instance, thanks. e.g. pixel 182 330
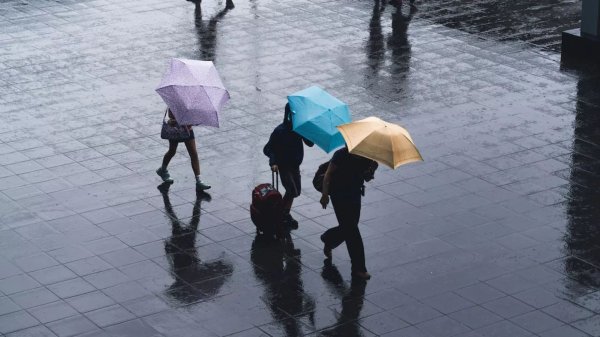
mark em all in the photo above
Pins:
pixel 348 215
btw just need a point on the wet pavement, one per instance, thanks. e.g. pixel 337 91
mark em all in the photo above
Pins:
pixel 494 235
pixel 538 23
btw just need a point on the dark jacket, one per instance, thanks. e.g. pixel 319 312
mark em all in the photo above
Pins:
pixel 351 172
pixel 285 146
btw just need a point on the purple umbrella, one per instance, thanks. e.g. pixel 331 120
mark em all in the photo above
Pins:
pixel 193 91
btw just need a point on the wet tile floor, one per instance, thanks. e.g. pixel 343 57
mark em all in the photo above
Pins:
pixel 493 235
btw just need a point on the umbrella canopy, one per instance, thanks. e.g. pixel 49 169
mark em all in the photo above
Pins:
pixel 315 115
pixel 193 91
pixel 387 143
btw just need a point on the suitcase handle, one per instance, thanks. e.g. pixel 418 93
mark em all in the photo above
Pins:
pixel 275 180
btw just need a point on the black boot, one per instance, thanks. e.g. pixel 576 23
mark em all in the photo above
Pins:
pixel 290 221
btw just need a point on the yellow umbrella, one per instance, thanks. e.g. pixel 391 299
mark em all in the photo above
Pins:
pixel 387 143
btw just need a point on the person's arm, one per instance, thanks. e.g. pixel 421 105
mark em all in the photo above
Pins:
pixel 171 121
pixel 326 180
pixel 269 152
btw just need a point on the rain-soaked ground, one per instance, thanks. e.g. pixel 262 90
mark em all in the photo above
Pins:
pixel 495 234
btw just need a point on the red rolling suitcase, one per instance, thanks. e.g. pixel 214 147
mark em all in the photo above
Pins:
pixel 266 210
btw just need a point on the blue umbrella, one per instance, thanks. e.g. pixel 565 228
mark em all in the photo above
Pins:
pixel 315 115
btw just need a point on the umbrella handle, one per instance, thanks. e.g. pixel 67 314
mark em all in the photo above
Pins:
pixel 187 129
pixel 273 174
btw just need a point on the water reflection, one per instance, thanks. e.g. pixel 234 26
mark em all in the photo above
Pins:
pixel 583 206
pixel 397 43
pixel 207 31
pixel 186 267
pixel 277 265
pixel 375 47
pixel 504 20
pixel 352 302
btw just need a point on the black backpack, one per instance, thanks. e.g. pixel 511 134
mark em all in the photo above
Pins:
pixel 319 176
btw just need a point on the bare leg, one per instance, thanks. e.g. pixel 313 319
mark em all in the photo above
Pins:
pixel 191 148
pixel 170 153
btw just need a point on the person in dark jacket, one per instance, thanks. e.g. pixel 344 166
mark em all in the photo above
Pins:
pixel 344 182
pixel 286 152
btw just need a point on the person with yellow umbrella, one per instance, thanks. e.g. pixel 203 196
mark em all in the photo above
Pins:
pixel 368 141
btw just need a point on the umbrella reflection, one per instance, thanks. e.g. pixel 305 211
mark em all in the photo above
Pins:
pixel 207 31
pixel 194 280
pixel 352 302
pixel 277 266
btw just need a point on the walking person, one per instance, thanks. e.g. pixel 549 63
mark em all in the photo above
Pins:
pixel 190 145
pixel 286 152
pixel 343 181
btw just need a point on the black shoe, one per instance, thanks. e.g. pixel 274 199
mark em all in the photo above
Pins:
pixel 291 222
pixel 326 250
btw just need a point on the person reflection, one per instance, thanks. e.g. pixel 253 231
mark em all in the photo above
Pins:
pixel 207 31
pixel 375 47
pixel 398 42
pixel 180 248
pixel 352 302
pixel 277 266
pixel 582 237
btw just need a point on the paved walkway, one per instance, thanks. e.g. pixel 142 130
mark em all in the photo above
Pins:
pixel 494 235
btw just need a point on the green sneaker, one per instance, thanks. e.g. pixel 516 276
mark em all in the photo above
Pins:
pixel 202 186
pixel 164 175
